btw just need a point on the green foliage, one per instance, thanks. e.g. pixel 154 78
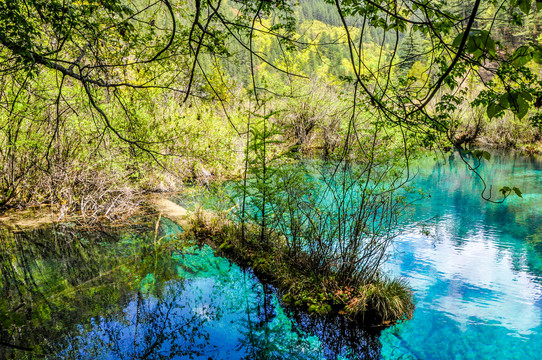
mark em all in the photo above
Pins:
pixel 389 298
pixel 479 44
pixel 523 5
pixel 411 50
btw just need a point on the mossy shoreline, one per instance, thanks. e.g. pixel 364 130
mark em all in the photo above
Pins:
pixel 382 303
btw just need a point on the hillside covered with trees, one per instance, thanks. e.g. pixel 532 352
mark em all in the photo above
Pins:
pixel 103 97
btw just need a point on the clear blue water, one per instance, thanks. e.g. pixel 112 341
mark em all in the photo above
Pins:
pixel 213 311
pixel 142 295
pixel 475 267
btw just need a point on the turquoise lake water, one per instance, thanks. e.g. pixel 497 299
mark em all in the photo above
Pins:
pixel 478 275
pixel 475 268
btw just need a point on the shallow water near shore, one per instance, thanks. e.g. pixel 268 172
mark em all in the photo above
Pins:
pixel 475 268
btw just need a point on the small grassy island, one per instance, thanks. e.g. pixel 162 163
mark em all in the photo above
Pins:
pixel 382 302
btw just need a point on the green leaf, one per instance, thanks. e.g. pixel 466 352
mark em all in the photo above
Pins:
pixel 471 45
pixel 520 107
pixel 505 190
pixel 523 5
pixel 457 40
pixel 478 53
pixel 526 95
pixel 517 191
pixel 538 5
pixel 522 55
pixel 490 46
pixel 504 101
pixel 492 110
pixel 537 52
pixel 486 155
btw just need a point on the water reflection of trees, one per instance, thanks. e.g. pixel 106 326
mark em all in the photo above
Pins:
pixel 340 337
pixel 54 278
pixel 266 336
pixel 188 320
pixel 68 294
pixel 148 328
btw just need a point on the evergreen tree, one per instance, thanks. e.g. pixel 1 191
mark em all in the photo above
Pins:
pixel 411 49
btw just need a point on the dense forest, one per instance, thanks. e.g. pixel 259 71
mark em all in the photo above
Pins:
pixel 103 100
pixel 302 117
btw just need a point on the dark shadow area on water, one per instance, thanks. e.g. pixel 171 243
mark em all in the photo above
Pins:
pixel 337 335
pixel 340 336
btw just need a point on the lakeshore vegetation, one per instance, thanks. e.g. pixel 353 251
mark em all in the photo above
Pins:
pixel 311 110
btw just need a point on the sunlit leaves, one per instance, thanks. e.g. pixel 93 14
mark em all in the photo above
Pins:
pixel 523 54
pixel 518 102
pixel 495 109
pixel 450 102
